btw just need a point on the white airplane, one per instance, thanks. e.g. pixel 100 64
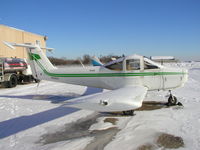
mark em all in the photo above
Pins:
pixel 128 79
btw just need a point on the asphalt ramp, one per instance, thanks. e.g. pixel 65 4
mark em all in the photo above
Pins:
pixel 80 129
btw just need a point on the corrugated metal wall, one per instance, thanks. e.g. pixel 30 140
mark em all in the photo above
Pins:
pixel 17 36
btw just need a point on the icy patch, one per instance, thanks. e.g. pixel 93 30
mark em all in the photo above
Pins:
pixel 101 125
pixel 77 144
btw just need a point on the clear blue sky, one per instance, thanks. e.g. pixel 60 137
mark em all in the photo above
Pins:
pixel 101 27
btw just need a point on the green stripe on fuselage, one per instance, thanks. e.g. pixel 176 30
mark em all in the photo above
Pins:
pixel 33 56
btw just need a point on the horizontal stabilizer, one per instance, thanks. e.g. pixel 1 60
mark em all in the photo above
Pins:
pixel 13 45
pixel 9 45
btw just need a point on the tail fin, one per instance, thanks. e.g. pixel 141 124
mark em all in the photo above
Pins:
pixel 40 64
pixel 96 61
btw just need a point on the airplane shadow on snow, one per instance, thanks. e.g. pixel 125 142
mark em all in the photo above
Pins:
pixel 15 125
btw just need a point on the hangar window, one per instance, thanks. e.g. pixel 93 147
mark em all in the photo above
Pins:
pixel 133 64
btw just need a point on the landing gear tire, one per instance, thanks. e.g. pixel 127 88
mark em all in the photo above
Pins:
pixel 172 100
pixel 128 113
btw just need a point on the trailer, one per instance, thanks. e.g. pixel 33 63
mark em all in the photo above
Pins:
pixel 15 71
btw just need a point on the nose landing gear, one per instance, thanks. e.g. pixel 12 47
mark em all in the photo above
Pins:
pixel 172 100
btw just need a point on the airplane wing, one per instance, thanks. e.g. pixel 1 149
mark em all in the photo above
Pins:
pixel 126 98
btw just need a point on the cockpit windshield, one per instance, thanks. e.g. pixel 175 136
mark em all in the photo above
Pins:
pixel 132 63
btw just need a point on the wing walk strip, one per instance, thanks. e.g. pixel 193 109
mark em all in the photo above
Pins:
pixel 105 74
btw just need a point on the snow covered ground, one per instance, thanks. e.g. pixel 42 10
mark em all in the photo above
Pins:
pixel 33 118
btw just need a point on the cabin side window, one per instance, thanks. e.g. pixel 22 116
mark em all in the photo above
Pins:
pixel 116 66
pixel 133 64
pixel 149 66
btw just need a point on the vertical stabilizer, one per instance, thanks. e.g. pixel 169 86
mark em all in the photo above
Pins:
pixel 96 61
pixel 40 64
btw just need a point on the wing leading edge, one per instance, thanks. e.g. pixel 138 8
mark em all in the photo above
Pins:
pixel 126 98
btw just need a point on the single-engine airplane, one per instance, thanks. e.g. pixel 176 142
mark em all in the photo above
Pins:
pixel 128 79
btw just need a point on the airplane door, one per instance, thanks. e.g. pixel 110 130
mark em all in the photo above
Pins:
pixel 172 81
pixel 133 70
pixel 152 76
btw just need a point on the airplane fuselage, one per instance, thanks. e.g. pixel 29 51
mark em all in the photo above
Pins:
pixel 100 77
pixel 132 70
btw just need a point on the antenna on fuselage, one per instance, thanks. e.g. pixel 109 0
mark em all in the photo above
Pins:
pixel 81 62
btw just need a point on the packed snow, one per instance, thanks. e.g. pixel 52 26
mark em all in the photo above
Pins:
pixel 32 117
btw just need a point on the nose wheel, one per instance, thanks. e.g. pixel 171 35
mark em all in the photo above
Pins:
pixel 172 100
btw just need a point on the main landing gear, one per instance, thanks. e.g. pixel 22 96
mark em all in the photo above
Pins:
pixel 128 113
pixel 172 100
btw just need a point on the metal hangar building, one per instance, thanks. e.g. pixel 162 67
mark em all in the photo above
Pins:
pixel 14 35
